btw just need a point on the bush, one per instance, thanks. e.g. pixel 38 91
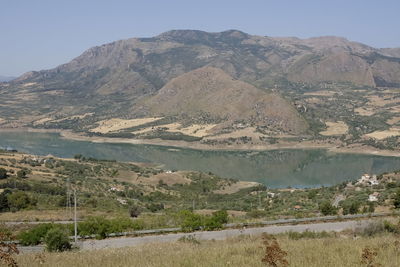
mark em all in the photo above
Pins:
pixel 390 227
pixel 371 229
pixel 134 211
pixel 326 208
pixel 221 216
pixel 190 221
pixel 101 227
pixel 57 240
pixel 351 208
pixel 35 235
pixel 98 226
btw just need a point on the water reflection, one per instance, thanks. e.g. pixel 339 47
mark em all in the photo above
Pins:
pixel 279 168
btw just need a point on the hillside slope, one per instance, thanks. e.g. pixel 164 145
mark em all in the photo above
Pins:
pixel 210 92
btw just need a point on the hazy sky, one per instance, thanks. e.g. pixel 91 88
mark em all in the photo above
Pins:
pixel 41 34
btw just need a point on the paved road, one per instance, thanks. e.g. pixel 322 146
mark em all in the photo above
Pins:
pixel 219 235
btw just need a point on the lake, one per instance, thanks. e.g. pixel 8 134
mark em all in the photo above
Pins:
pixel 276 168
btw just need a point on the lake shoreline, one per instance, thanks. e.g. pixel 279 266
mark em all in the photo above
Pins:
pixel 353 149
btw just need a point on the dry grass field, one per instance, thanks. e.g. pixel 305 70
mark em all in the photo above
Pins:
pixel 241 251
pixel 113 125
pixel 335 128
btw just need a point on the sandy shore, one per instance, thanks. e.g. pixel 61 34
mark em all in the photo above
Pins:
pixel 352 149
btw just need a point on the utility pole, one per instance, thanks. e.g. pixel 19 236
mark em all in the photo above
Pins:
pixel 68 204
pixel 75 223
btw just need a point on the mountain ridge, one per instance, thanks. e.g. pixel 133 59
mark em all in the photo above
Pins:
pixel 114 80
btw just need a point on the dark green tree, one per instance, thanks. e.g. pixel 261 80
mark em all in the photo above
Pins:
pixel 3 173
pixel 19 200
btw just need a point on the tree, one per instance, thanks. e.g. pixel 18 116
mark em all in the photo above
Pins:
pixel 351 208
pixel 216 221
pixel 57 240
pixel 3 173
pixel 4 200
pixel 326 208
pixel 19 200
pixel 190 221
pixel 221 216
pixel 21 174
pixel 396 199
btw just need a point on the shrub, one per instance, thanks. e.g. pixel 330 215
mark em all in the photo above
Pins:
pixel 35 235
pixel 134 211
pixel 57 240
pixel 98 226
pixel 351 208
pixel 371 229
pixel 101 227
pixel 216 221
pixel 221 216
pixel 326 208
pixel 390 227
pixel 190 221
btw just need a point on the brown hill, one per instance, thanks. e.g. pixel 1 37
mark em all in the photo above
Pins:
pixel 211 92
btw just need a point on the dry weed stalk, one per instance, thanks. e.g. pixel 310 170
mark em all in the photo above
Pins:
pixel 7 250
pixel 368 257
pixel 274 254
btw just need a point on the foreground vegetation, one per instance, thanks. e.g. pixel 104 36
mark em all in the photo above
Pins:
pixel 334 250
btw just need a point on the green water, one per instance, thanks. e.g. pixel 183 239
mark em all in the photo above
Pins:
pixel 278 168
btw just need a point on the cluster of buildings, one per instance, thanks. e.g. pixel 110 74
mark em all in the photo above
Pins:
pixel 366 179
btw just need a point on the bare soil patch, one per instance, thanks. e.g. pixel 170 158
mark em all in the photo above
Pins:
pixel 235 187
pixel 112 125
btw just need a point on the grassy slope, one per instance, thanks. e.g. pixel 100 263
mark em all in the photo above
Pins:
pixel 243 251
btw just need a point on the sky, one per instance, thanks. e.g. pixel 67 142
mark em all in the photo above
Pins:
pixel 42 34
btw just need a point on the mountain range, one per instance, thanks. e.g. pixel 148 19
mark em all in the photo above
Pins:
pixel 226 78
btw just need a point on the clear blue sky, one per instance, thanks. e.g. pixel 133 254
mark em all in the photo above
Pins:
pixel 41 34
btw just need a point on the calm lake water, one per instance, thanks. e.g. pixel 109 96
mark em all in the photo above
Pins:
pixel 278 168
